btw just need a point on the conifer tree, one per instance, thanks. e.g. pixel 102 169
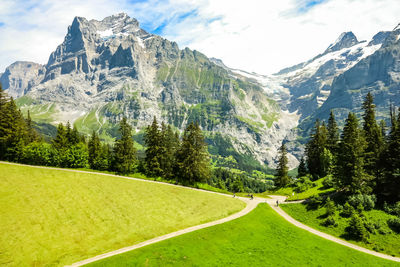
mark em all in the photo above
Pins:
pixel 302 170
pixel 333 134
pixel 349 171
pixel 60 142
pixel 32 135
pixel 169 144
pixel 192 160
pixel 373 136
pixel 4 123
pixel 315 151
pixel 153 143
pixel 281 176
pixel 95 151
pixel 124 150
pixel 391 186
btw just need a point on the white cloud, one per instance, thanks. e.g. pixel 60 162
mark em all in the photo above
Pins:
pixel 254 35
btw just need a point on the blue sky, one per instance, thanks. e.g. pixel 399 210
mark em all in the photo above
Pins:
pixel 254 35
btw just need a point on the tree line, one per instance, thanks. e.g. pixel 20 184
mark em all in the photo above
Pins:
pixel 362 159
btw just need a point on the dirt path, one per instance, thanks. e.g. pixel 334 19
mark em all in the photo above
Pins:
pixel 272 203
pixel 251 204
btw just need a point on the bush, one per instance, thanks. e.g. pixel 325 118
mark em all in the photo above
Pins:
pixel 348 210
pixel 356 228
pixel 302 184
pixel 330 221
pixel 330 207
pixel 394 224
pixel 314 202
pixel 392 209
pixel 328 182
pixel 39 153
pixel 367 201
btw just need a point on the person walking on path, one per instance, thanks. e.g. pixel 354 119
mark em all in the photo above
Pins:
pixel 277 203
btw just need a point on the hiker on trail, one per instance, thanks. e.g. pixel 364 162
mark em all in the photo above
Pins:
pixel 277 203
pixel 251 196
pixel 234 195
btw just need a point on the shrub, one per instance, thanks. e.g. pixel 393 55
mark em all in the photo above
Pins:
pixel 370 227
pixel 330 207
pixel 394 224
pixel 367 201
pixel 356 228
pixel 348 210
pixel 314 202
pixel 392 209
pixel 328 182
pixel 40 153
pixel 330 221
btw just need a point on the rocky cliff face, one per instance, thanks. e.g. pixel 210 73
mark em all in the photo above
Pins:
pixel 108 69
pixel 20 77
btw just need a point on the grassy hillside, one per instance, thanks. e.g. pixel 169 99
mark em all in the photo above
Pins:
pixel 293 192
pixel 382 240
pixel 51 217
pixel 261 238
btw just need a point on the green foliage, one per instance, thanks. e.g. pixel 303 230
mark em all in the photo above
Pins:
pixel 349 172
pixel 330 207
pixel 328 182
pixel 281 177
pixel 366 201
pixel 302 170
pixel 318 161
pixel 392 209
pixel 192 158
pixel 348 210
pixel 356 228
pixel 40 153
pixel 154 149
pixel 394 224
pixel 124 151
pixel 333 135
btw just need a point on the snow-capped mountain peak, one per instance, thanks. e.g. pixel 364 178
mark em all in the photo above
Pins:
pixel 345 40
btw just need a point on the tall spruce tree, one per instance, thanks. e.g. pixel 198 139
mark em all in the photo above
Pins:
pixel 60 142
pixel 124 149
pixel 5 131
pixel 302 170
pixel 169 144
pixel 95 150
pixel 391 159
pixel 281 174
pixel 315 151
pixel 349 171
pixel 153 141
pixel 333 134
pixel 373 136
pixel 192 158
pixel 32 135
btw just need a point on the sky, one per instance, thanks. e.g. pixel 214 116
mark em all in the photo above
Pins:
pixel 260 36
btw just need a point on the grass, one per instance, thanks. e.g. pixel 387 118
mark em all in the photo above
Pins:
pixel 388 243
pixel 52 217
pixel 292 195
pixel 261 238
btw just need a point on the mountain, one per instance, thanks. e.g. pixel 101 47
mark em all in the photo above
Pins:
pixel 108 69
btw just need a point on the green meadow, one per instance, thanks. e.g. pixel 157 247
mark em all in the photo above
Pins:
pixel 53 217
pixel 261 238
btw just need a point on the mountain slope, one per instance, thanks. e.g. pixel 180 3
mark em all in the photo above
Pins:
pixel 112 68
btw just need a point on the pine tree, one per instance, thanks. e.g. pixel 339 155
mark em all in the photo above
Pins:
pixel 5 131
pixel 349 171
pixel 192 160
pixel 124 150
pixel 169 144
pixel 32 135
pixel 60 142
pixel 302 170
pixel 16 131
pixel 153 142
pixel 391 183
pixel 373 136
pixel 315 151
pixel 281 176
pixel 95 150
pixel 333 134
